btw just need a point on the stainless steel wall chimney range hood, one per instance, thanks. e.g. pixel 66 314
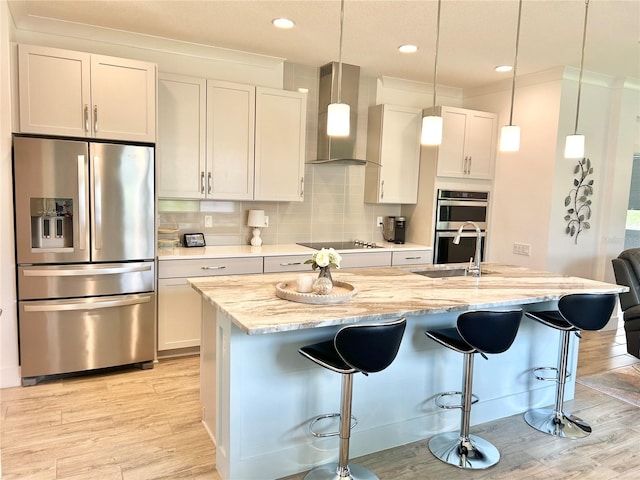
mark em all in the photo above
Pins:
pixel 338 150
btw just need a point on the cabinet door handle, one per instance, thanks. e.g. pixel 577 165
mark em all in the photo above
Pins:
pixel 209 182
pixel 202 183
pixel 382 190
pixel 469 169
pixel 301 187
pixel 213 267
pixel 86 118
pixel 464 167
pixel 286 264
pixel 95 118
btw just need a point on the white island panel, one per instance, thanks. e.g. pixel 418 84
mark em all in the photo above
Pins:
pixel 266 393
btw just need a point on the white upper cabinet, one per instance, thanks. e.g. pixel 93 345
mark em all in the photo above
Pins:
pixel 181 156
pixel 280 144
pixel 63 92
pixel 468 143
pixel 230 140
pixel 123 94
pixel 393 154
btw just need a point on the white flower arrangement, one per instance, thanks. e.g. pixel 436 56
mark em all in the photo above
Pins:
pixel 326 257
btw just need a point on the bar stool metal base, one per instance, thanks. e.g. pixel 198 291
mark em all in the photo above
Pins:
pixel 474 454
pixel 330 472
pixel 560 424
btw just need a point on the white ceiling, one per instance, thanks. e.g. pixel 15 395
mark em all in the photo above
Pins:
pixel 475 35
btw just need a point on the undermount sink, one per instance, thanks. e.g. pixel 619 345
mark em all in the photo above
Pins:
pixel 442 272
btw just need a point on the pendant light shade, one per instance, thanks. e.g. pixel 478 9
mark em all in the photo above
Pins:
pixel 510 138
pixel 432 124
pixel 338 114
pixel 510 134
pixel 574 145
pixel 431 130
pixel 338 124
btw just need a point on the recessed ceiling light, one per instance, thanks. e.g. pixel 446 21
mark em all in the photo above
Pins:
pixel 408 48
pixel 504 68
pixel 283 22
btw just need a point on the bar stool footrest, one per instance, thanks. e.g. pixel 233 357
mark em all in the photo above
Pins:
pixel 441 404
pixel 354 422
pixel 540 376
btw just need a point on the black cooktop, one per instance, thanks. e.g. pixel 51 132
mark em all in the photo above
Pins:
pixel 354 244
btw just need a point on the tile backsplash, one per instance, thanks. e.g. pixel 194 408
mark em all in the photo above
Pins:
pixel 333 209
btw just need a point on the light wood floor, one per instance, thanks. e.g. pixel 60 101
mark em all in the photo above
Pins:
pixel 144 425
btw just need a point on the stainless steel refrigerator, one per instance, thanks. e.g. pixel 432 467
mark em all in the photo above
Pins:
pixel 85 237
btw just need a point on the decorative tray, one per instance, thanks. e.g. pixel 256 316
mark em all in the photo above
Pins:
pixel 341 293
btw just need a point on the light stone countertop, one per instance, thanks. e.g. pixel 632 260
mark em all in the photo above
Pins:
pixel 182 253
pixel 384 294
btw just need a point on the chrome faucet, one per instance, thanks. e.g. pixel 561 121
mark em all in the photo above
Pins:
pixel 475 269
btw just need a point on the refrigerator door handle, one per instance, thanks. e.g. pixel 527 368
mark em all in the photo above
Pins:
pixel 97 205
pixel 90 305
pixel 82 202
pixel 72 272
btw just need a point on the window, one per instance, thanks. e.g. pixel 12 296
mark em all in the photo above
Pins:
pixel 632 233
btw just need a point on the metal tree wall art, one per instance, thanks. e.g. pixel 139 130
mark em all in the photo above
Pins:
pixel 578 202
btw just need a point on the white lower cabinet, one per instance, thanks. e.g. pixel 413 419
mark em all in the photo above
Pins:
pixel 286 263
pixel 368 259
pixel 179 305
pixel 179 314
pixel 411 257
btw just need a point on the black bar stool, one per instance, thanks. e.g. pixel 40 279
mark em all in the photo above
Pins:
pixel 476 332
pixel 355 348
pixel 580 311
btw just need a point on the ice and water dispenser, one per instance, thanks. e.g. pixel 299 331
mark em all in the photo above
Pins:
pixel 51 222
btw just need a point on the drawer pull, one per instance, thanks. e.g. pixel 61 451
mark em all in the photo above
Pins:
pixel 286 264
pixel 213 267
pixel 412 258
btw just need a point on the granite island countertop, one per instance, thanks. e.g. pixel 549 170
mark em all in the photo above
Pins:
pixel 386 293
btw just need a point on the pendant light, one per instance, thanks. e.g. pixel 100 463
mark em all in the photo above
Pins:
pixel 338 113
pixel 510 134
pixel 574 146
pixel 432 124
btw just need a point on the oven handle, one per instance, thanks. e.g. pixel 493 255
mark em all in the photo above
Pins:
pixel 463 203
pixel 89 305
pixel 72 272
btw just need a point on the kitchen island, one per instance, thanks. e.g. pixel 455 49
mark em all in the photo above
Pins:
pixel 259 395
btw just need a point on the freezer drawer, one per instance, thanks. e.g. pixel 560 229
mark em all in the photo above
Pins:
pixel 63 336
pixel 66 281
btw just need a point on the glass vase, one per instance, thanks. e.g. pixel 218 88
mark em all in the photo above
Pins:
pixel 324 283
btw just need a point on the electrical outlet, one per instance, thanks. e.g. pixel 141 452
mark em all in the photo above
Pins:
pixel 522 249
pixel 379 221
pixel 208 221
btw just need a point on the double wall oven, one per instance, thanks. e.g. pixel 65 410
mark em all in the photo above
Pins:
pixel 453 209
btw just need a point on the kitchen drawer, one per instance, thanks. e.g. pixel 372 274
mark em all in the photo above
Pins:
pixel 368 259
pixel 411 257
pixel 206 267
pixel 286 263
